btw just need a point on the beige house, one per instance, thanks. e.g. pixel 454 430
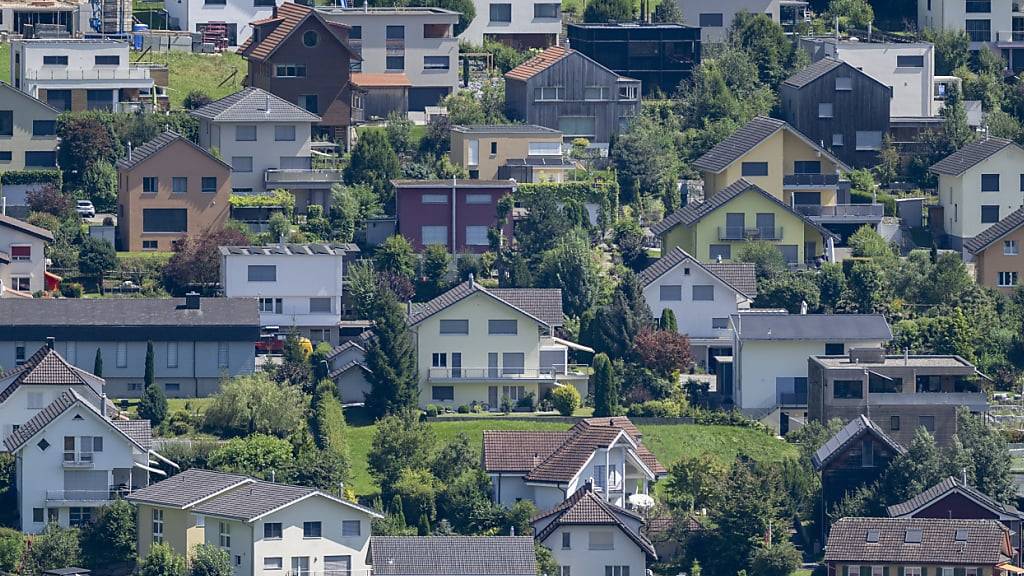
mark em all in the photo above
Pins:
pixel 526 152
pixel 169 188
pixel 22 257
pixel 28 131
pixel 979 185
pixel 998 263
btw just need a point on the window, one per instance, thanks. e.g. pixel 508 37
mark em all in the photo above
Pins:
pixel 976 6
pixel 824 110
pixel 270 305
pixel 513 363
pixel 310 38
pixel 439 360
pixel 835 349
pixel 703 293
pixel 871 140
pixel 122 355
pixel 989 214
pixel 979 30
pixel 1021 178
pixel 1010 248
pixel 1007 279
pixel 566 540
pixel 549 93
pixel 222 355
pixel 158 525
pixel 479 198
pixel 910 61
pixel 80 516
pixel 881 384
pixel 290 71
pixel 710 20
pixel 912 570
pixel 272 530
pixel 55 60
pixel 395 33
pixel 356 33
pixel 21 283
pixel 847 389
pixel 44 127
pixel 149 244
pixel 320 305
pixel 6 156
pixel 723 251
pixel 543 149
pixel 616 571
pixel 754 169
pixel 436 62
pixel 564 571
pixel 477 236
pixel 37 515
pixel 442 393
pixel 395 63
pixel 629 92
pixel 670 293
pixel 273 563
pixel 209 184
pixel 894 423
pixel 434 235
pixel 455 327
pixel 35 401
pixel 6 123
pixel 150 184
pixel 990 182
pixel 351 527
pixel 600 539
pixel 807 166
pixel 494 148
pixel 262 273
pixel 179 184
pixel 172 354
pixel 926 422
pixel 506 327
pixel 225 535
pixel 948 571
pixel 245 133
pixel 837 139
pixel 547 10
pixel 577 125
pixel 501 12
pixel 434 199
pixel 43 444
pixel 108 60
pixel 719 323
pixel 21 253
pixel 310 529
pixel 844 84
pixel 284 133
pixel 172 387
pixel 40 159
pixel 300 566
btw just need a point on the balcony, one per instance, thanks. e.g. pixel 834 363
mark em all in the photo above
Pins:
pixel 743 234
pixel 302 178
pixel 810 181
pixel 552 374
pixel 842 212
pixel 133 72
pixel 78 460
pixel 74 497
pixel 1010 38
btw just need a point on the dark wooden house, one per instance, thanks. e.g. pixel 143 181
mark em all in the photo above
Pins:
pixel 565 90
pixel 839 107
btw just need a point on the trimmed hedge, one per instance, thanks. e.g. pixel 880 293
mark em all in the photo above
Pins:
pixel 32 177
pixel 270 199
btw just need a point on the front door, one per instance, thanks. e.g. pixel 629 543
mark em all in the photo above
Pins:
pixel 337 565
pixel 300 566
pixel 456 364
pixel 492 397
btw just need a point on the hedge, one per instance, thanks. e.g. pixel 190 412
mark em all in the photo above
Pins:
pixel 604 193
pixel 270 199
pixel 31 177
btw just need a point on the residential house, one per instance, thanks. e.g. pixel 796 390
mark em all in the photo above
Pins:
pixel 901 393
pixel 659 55
pixel 304 59
pixel 588 535
pixel 548 467
pixel 997 26
pixel 854 457
pixel 28 136
pixel 517 23
pixel 298 286
pixel 414 43
pixel 375 96
pixel 713 229
pixel 791 167
pixel 489 346
pixel 840 107
pixel 167 189
pixel 453 556
pixel 996 253
pixel 702 296
pixel 495 152
pixel 233 15
pixel 770 352
pixel 714 17
pixel 22 258
pixel 349 371
pixel 919 545
pixel 60 18
pixel 979 185
pixel 75 74
pixel 196 342
pixel 565 90
pixel 267 140
pixel 457 214
pixel 266 528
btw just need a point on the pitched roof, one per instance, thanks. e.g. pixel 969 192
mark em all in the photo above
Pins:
pixel 25 227
pixel 542 304
pixel 747 137
pixel 1010 223
pixel 585 508
pixel 696 211
pixel 773 326
pixel 348 366
pixel 47 367
pixel 504 129
pixel 983 542
pixel 947 486
pixel 188 488
pixel 287 17
pixel 252 500
pixel 139 430
pixel 154 146
pixel 68 399
pixel 812 72
pixel 27 96
pixel 538 63
pixel 254 105
pixel 740 276
pixel 970 155
pixel 853 431
pixel 519 450
pixel 453 555
pixel 310 249
pixel 379 80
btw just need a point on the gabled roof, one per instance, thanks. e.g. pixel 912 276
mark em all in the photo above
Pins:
pixel 25 227
pixel 542 304
pixel 970 155
pixel 932 541
pixel 696 211
pixel 504 129
pixel 188 488
pixel 853 431
pixel 67 400
pixel 250 501
pixel 740 276
pixel 948 486
pixel 747 137
pixel 812 72
pixel 254 105
pixel 154 146
pixel 47 367
pixel 453 555
pixel 772 326
pixel 348 366
pixel 538 63
pixel 4 86
pixel 993 233
pixel 585 508
pixel 287 17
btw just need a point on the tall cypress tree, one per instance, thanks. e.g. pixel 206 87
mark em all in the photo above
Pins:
pixel 668 321
pixel 606 387
pixel 149 376
pixel 391 358
pixel 97 363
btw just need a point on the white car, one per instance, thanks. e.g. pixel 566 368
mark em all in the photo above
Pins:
pixel 85 209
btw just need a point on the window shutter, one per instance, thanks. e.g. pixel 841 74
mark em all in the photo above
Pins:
pixel 865 571
pixel 959 572
pixel 846 570
pixel 885 571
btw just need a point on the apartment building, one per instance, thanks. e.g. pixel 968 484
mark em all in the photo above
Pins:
pixel 457 214
pixel 714 17
pixel 234 15
pixel 414 43
pixel 525 152
pixel 22 258
pixel 28 132
pixel 298 286
pixel 993 24
pixel 75 74
pixel 167 189
pixel 522 24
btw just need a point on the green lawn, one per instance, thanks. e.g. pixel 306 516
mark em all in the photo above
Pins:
pixel 173 404
pixel 209 73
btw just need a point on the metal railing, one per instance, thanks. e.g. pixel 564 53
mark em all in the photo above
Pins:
pixel 78 459
pixel 841 210
pixel 810 180
pixel 111 493
pixel 302 175
pixel 742 233
pixel 130 73
pixel 506 373
pixel 1010 36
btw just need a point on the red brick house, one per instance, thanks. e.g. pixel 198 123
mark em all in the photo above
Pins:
pixel 454 213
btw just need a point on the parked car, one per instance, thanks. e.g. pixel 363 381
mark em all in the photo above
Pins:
pixel 85 209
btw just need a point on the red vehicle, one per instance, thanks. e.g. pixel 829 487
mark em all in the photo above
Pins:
pixel 271 342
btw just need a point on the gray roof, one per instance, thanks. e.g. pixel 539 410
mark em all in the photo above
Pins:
pixel 62 404
pixel 251 500
pixel 187 488
pixel 740 276
pixel 738 143
pixel 984 543
pixel 852 432
pixel 585 508
pixel 254 105
pixel 128 319
pixel 948 486
pixel 504 129
pixel 812 72
pixel 453 555
pixel 313 249
pixel 47 367
pixel 139 430
pixel 846 327
pixel 348 366
pixel 154 146
pixel 543 304
pixel 25 227
pixel 960 161
pixel 996 231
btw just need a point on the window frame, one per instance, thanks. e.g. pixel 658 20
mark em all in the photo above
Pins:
pixel 269 531
pixel 491 12
pixel 754 169
pixel 311 526
pixel 703 288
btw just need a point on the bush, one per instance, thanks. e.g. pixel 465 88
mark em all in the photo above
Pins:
pixel 526 402
pixel 71 290
pixel 12 546
pixel 655 409
pixel 566 399
pixel 210 560
pixel 463 409
pixel 255 403
pixel 432 410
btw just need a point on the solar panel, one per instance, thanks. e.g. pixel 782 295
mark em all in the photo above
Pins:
pixel 913 536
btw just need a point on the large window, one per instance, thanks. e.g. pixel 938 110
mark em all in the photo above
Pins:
pixel 209 184
pixel 577 125
pixel 311 529
pixel 711 20
pixel 21 252
pixel 910 61
pixel 703 293
pixel 477 236
pixel 442 393
pixel 394 63
pixel 99 99
pixel 436 62
pixel 40 159
pixel 320 305
pixel 351 527
pixel 179 184
pixel 824 110
pixel 454 327
pixel 979 6
pixel 501 12
pixel 547 10
pixel 290 71
pixel 504 327
pixel 395 33
pixel 990 182
pixel 55 60
pixel 284 132
pixel 44 127
pixel 754 169
pixel 870 140
pixel 434 235
pixel 241 163
pixel 595 93
pixel 601 539
pixel 1007 279
pixel 549 93
pixel 108 60
pixel 846 389
pixel 262 273
pixel 881 384
pixel 979 30
pixel 670 293
pixel 990 214
pixel 245 133
pixel 807 167
pixel 164 220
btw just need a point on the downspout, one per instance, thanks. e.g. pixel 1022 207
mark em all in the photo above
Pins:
pixel 454 224
pixel 195 378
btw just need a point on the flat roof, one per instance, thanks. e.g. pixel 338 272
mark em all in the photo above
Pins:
pixel 59 41
pixel 913 361
pixel 630 25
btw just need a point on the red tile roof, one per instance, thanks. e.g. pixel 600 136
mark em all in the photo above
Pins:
pixel 287 17
pixel 538 63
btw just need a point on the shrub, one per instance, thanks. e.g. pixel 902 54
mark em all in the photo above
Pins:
pixel 432 410
pixel 71 290
pixel 12 546
pixel 655 409
pixel 526 401
pixel 566 399
pixel 210 560
pixel 463 409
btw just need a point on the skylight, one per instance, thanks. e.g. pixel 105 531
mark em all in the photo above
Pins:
pixel 913 536
pixel 872 536
pixel 961 534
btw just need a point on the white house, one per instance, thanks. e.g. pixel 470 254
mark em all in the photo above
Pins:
pixel 702 297
pixel 995 25
pixel 194 15
pixel 587 535
pixel 714 17
pixel 521 24
pixel 267 528
pixel 298 285
pixel 547 467
pixel 453 556
pixel 22 257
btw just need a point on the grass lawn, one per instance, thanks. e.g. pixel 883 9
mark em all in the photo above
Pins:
pixel 173 404
pixel 208 73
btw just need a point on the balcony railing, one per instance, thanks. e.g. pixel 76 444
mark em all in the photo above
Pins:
pixel 1010 36
pixel 741 233
pixel 302 176
pixel 810 180
pixel 506 373
pixel 792 398
pixel 78 459
pixel 841 210
pixel 111 493
pixel 130 73
pixel 359 572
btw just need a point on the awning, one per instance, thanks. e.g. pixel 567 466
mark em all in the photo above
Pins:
pixel 573 345
pixel 164 459
pixel 148 469
pixel 1010 568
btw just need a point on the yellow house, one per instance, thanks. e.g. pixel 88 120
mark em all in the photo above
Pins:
pixel 525 152
pixel 737 214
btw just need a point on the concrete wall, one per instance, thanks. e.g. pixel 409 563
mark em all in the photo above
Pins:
pixel 692 9
pixel 911 87
pixel 524 29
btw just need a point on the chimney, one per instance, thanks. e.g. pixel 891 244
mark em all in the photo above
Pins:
pixel 273 476
pixel 906 356
pixel 718 259
pixel 470 277
pixel 49 342
pixel 192 301
pixel 103 404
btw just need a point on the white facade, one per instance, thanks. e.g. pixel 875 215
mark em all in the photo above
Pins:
pixel 970 205
pixel 25 272
pixel 593 548
pixel 504 20
pixel 252 148
pixel 715 16
pixel 26 401
pixel 193 15
pixel 989 24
